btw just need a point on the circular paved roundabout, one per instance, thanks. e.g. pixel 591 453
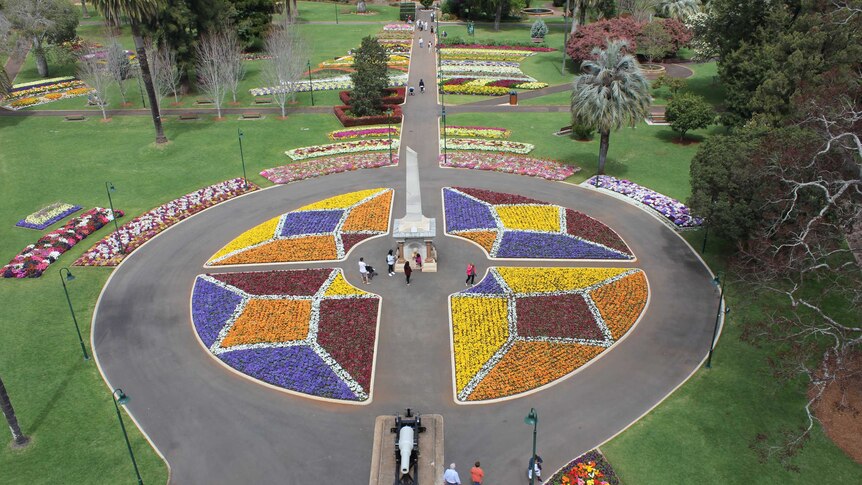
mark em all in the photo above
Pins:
pixel 214 425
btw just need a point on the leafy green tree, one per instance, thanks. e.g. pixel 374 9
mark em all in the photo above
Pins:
pixel 138 12
pixel 426 3
pixel 611 92
pixel 45 23
pixel 686 112
pixel 725 184
pixel 370 78
pixel 654 41
pixel 251 19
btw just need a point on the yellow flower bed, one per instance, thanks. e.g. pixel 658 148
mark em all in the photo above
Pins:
pixel 340 287
pixel 255 235
pixel 341 201
pixel 530 217
pixel 549 280
pixel 479 328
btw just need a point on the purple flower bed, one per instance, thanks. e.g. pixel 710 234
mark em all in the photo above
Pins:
pixel 45 217
pixel 463 212
pixel 310 222
pixel 592 465
pixel 674 210
pixel 212 307
pixel 520 244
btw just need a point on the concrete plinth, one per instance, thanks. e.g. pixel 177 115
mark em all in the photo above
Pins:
pixel 383 461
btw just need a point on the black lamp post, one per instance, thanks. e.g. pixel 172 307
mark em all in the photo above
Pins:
pixel 533 418
pixel 445 155
pixel 119 397
pixel 63 279
pixel 718 281
pixel 706 224
pixel 109 187
pixel 310 84
pixel 565 35
pixel 242 157
pixel 389 122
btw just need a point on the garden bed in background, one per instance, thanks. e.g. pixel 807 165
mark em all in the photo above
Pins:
pixel 675 211
pixel 590 468
pixel 516 164
pixel 48 215
pixel 327 165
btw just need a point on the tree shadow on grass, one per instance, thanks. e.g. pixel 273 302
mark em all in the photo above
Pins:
pixel 51 402
pixel 670 136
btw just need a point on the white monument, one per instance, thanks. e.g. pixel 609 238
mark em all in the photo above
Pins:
pixel 415 232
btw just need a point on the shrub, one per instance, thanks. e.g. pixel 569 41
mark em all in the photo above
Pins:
pixel 539 29
pixel 655 42
pixel 347 117
pixel 687 112
pixel 582 132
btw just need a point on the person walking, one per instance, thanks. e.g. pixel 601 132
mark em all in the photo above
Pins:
pixel 535 466
pixel 477 474
pixel 421 85
pixel 421 42
pixel 471 275
pixel 410 89
pixel 363 270
pixel 390 262
pixel 450 476
pixel 407 271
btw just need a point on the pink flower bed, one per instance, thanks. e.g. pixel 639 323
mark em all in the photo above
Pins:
pixel 517 164
pixel 327 165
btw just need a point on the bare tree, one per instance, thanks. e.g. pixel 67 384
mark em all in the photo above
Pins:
pixel 118 65
pixel 213 63
pixel 235 67
pixel 97 77
pixel 166 74
pixel 284 69
pixel 5 28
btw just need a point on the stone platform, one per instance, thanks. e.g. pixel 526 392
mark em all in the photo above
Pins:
pixel 430 451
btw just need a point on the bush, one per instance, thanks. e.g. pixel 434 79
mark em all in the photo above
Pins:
pixel 539 29
pixel 582 132
pixel 655 42
pixel 348 118
pixel 580 45
pixel 426 3
pixel 687 112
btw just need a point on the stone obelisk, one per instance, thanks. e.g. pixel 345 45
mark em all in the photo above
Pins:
pixel 414 232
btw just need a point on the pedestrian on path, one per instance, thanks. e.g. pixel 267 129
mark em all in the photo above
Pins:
pixel 450 476
pixel 418 259
pixel 390 262
pixel 422 86
pixel 535 467
pixel 363 270
pixel 411 90
pixel 421 42
pixel 407 272
pixel 477 474
pixel 471 275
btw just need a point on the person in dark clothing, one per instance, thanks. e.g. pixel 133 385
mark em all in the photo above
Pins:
pixel 407 271
pixel 421 85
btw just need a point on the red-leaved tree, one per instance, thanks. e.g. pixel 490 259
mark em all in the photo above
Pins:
pixel 597 34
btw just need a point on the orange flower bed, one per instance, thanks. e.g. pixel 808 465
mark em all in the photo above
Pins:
pixel 270 321
pixel 370 216
pixel 482 238
pixel 309 248
pixel 621 303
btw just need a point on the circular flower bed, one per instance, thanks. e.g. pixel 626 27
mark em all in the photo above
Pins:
pixel 323 231
pixel 512 226
pixel 523 328
pixel 307 331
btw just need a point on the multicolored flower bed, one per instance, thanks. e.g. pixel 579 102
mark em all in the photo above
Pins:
pixel 326 84
pixel 347 61
pixel 392 96
pixel 398 27
pixel 502 47
pixel 523 328
pixel 591 468
pixel 36 258
pixel 513 226
pixel 498 162
pixel 141 229
pixel 342 147
pixel 48 215
pixel 487 86
pixel 347 119
pixel 450 53
pixel 327 165
pixel 323 231
pixel 44 91
pixel 674 210
pixel 364 132
pixel 307 331
pixel 478 132
pixel 487 145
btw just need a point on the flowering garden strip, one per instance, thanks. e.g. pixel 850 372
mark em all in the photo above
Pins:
pixel 328 84
pixel 511 55
pixel 517 164
pixel 488 145
pixel 327 165
pixel 347 120
pixel 347 61
pixel 46 216
pixel 323 231
pixel 365 132
pixel 512 226
pixel 307 331
pixel 478 132
pixel 398 27
pixel 36 258
pixel 672 209
pixel 591 468
pixel 45 94
pixel 341 147
pixel 523 328
pixel 487 86
pixel 394 96
pixel 501 47
pixel 141 229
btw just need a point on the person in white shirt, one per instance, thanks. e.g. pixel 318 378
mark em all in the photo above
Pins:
pixel 363 270
pixel 390 262
pixel 450 476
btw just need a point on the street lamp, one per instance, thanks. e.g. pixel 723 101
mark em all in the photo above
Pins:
pixel 119 397
pixel 533 418
pixel 310 84
pixel 718 281
pixel 565 35
pixel 389 122
pixel 445 155
pixel 706 224
pixel 109 188
pixel 63 279
pixel 242 157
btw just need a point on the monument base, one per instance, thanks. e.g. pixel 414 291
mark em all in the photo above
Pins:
pixel 407 248
pixel 383 462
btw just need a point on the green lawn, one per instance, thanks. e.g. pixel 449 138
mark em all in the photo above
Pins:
pixel 325 12
pixel 60 400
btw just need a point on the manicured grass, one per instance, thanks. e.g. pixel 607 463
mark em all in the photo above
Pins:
pixel 60 400
pixel 325 12
pixel 556 99
pixel 704 83
pixel 701 433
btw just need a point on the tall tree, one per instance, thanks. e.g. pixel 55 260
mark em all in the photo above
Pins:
pixel 166 75
pixel 370 78
pixel 98 77
pixel 284 68
pixel 118 65
pixel 138 12
pixel 6 405
pixel 611 92
pixel 215 56
pixel 44 22
pixel 251 20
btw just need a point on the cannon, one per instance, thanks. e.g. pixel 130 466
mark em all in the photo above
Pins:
pixel 406 430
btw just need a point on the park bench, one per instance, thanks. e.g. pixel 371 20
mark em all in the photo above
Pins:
pixel 251 116
pixel 262 100
pixel 75 118
pixel 188 116
pixel 204 102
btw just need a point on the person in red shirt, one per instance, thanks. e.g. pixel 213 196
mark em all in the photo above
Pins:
pixel 477 475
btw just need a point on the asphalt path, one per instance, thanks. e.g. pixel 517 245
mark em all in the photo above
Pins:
pixel 216 427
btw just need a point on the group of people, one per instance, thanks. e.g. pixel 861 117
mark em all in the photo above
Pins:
pixel 367 272
pixel 477 475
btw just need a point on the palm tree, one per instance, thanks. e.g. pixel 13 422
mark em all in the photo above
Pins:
pixel 679 9
pixel 611 92
pixel 138 12
pixel 6 406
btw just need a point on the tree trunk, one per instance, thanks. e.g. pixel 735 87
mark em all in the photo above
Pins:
pixel 5 83
pixel 9 412
pixel 583 12
pixel 148 83
pixel 498 15
pixel 39 53
pixel 84 9
pixel 575 10
pixel 603 150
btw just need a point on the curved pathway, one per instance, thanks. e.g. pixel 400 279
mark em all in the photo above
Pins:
pixel 215 427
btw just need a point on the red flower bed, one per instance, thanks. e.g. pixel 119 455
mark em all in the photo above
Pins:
pixel 492 197
pixel 563 316
pixel 394 96
pixel 583 226
pixel 341 112
pixel 347 329
pixel 504 83
pixel 276 282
